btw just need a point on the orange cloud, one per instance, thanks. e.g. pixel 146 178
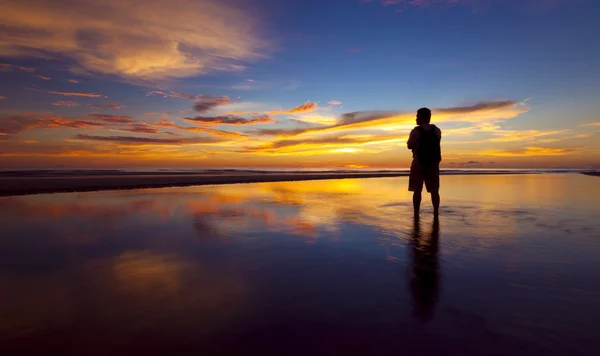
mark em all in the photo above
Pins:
pixel 86 95
pixel 335 102
pixel 171 124
pixel 113 118
pixel 70 104
pixel 139 41
pixel 529 152
pixel 2 97
pixel 73 81
pixel 134 140
pixel 105 106
pixel 15 124
pixel 42 77
pixel 304 108
pixel 394 119
pixel 140 128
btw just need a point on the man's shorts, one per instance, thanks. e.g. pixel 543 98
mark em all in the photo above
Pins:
pixel 428 173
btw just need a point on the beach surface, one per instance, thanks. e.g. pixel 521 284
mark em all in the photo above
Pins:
pixel 320 267
pixel 38 182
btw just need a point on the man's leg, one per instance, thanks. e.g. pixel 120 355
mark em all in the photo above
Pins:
pixel 417 202
pixel 435 199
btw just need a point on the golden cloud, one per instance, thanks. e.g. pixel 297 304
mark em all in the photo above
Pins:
pixel 137 39
pixel 529 152
pixel 171 124
pixel 85 95
pixel 304 108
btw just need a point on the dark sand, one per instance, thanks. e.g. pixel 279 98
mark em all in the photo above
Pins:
pixel 32 184
pixel 595 174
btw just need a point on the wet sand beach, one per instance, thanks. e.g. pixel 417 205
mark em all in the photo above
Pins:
pixel 319 267
pixel 24 183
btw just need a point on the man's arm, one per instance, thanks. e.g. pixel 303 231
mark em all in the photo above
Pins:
pixel 413 139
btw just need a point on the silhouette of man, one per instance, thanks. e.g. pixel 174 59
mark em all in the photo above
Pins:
pixel 424 141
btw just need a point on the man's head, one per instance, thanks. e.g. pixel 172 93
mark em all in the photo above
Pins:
pixel 423 116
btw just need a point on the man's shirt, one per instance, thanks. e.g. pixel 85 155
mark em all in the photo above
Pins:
pixel 415 136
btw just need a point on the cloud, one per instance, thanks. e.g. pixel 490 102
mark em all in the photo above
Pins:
pixel 141 128
pixel 137 39
pixel 70 104
pixel 327 144
pixel 208 102
pixel 43 77
pixel 73 81
pixel 5 67
pixel 529 152
pixel 86 95
pixel 587 124
pixel 473 162
pixel 229 120
pixel 133 140
pixel 403 5
pixel 228 134
pixel 113 118
pixel 2 97
pixel 183 95
pixel 392 120
pixel 14 124
pixel 304 108
pixel 105 106
pixel 335 102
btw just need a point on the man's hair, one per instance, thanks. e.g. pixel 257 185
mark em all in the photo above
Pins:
pixel 424 115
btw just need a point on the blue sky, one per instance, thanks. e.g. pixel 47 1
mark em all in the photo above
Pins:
pixel 269 57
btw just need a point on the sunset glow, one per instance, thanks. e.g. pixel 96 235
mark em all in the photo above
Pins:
pixel 230 84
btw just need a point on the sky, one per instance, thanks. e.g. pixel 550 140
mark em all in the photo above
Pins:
pixel 297 83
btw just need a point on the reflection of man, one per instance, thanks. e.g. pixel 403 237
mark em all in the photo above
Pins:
pixel 424 141
pixel 424 285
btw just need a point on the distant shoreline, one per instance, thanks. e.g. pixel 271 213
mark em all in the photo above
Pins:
pixel 593 174
pixel 27 185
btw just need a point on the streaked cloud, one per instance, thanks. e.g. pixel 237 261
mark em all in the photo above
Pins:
pixel 85 95
pixel 392 120
pixel 120 119
pixel 229 120
pixel 73 81
pixel 587 124
pixel 105 106
pixel 5 67
pixel 335 102
pixel 141 128
pixel 208 102
pixel 134 140
pixel 70 104
pixel 137 39
pixel 328 144
pixel 14 124
pixel 304 108
pixel 220 133
pixel 43 77
pixel 529 152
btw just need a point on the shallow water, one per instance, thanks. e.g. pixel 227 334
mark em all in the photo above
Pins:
pixel 320 267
